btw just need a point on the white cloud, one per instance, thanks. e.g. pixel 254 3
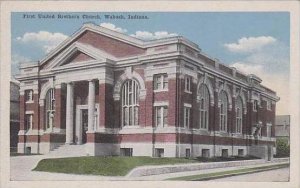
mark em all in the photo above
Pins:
pixel 248 69
pixel 278 82
pixel 250 44
pixel 46 40
pixel 271 64
pixel 16 59
pixel 146 35
pixel 113 27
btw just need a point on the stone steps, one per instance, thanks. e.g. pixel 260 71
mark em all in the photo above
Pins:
pixel 68 151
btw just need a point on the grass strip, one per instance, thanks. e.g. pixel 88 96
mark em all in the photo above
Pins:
pixel 215 175
pixel 105 166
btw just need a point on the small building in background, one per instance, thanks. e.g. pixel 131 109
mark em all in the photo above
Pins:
pixel 282 127
pixel 14 114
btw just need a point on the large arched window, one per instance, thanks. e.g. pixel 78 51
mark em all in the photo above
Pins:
pixel 239 114
pixel 50 108
pixel 130 107
pixel 203 96
pixel 223 110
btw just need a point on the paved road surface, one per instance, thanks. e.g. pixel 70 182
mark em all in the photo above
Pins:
pixel 278 175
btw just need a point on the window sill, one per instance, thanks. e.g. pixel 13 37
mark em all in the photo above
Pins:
pixel 130 127
pixel 29 102
pixel 161 127
pixel 160 90
pixel 189 92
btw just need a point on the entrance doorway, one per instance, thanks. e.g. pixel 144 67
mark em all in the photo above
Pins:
pixel 82 122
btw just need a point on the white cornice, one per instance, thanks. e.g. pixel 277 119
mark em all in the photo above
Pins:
pixel 79 47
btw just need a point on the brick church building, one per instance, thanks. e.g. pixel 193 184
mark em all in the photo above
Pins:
pixel 115 94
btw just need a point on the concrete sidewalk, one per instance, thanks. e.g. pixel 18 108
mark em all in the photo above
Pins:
pixel 198 172
pixel 21 167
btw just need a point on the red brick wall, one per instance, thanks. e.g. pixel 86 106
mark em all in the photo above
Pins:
pixel 249 117
pixel 109 45
pixel 58 109
pixel 106 105
pixel 78 57
pixel 117 113
pixel 217 112
pixel 233 116
pixel 42 117
pixel 149 104
pixel 35 108
pixel 53 138
pixel 22 112
pixel 195 113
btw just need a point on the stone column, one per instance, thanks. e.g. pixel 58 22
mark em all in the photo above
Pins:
pixel 69 114
pixel 91 106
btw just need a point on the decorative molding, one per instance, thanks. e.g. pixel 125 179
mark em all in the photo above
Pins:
pixel 129 74
pixel 29 112
pixel 204 80
pixel 161 103
pixel 225 87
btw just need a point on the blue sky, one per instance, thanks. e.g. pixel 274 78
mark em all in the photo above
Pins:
pixel 254 42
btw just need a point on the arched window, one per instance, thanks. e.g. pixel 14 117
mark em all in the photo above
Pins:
pixel 50 108
pixel 130 107
pixel 203 94
pixel 239 114
pixel 223 111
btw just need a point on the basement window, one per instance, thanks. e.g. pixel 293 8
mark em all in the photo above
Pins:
pixel 126 152
pixel 225 153
pixel 240 152
pixel 187 153
pixel 159 152
pixel 205 153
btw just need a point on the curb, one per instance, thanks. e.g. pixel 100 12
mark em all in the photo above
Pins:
pixel 165 169
pixel 271 167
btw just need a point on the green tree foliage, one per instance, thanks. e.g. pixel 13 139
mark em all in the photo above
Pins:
pixel 282 148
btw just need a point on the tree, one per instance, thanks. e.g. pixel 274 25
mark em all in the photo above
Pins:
pixel 282 148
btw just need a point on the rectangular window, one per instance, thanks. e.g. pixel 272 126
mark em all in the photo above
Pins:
pixel 255 103
pixel 205 153
pixel 240 152
pixel 28 150
pixel 29 95
pixel 160 82
pixel 159 152
pixel 28 121
pixel 188 153
pixel 187 115
pixel 126 152
pixel 269 105
pixel 188 81
pixel 225 153
pixel 269 130
pixel 161 116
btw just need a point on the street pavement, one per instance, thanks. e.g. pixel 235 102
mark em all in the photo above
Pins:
pixel 278 175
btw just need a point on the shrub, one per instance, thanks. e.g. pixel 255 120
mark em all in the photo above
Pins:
pixel 282 148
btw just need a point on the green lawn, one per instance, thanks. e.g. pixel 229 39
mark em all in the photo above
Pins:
pixel 105 166
pixel 214 175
